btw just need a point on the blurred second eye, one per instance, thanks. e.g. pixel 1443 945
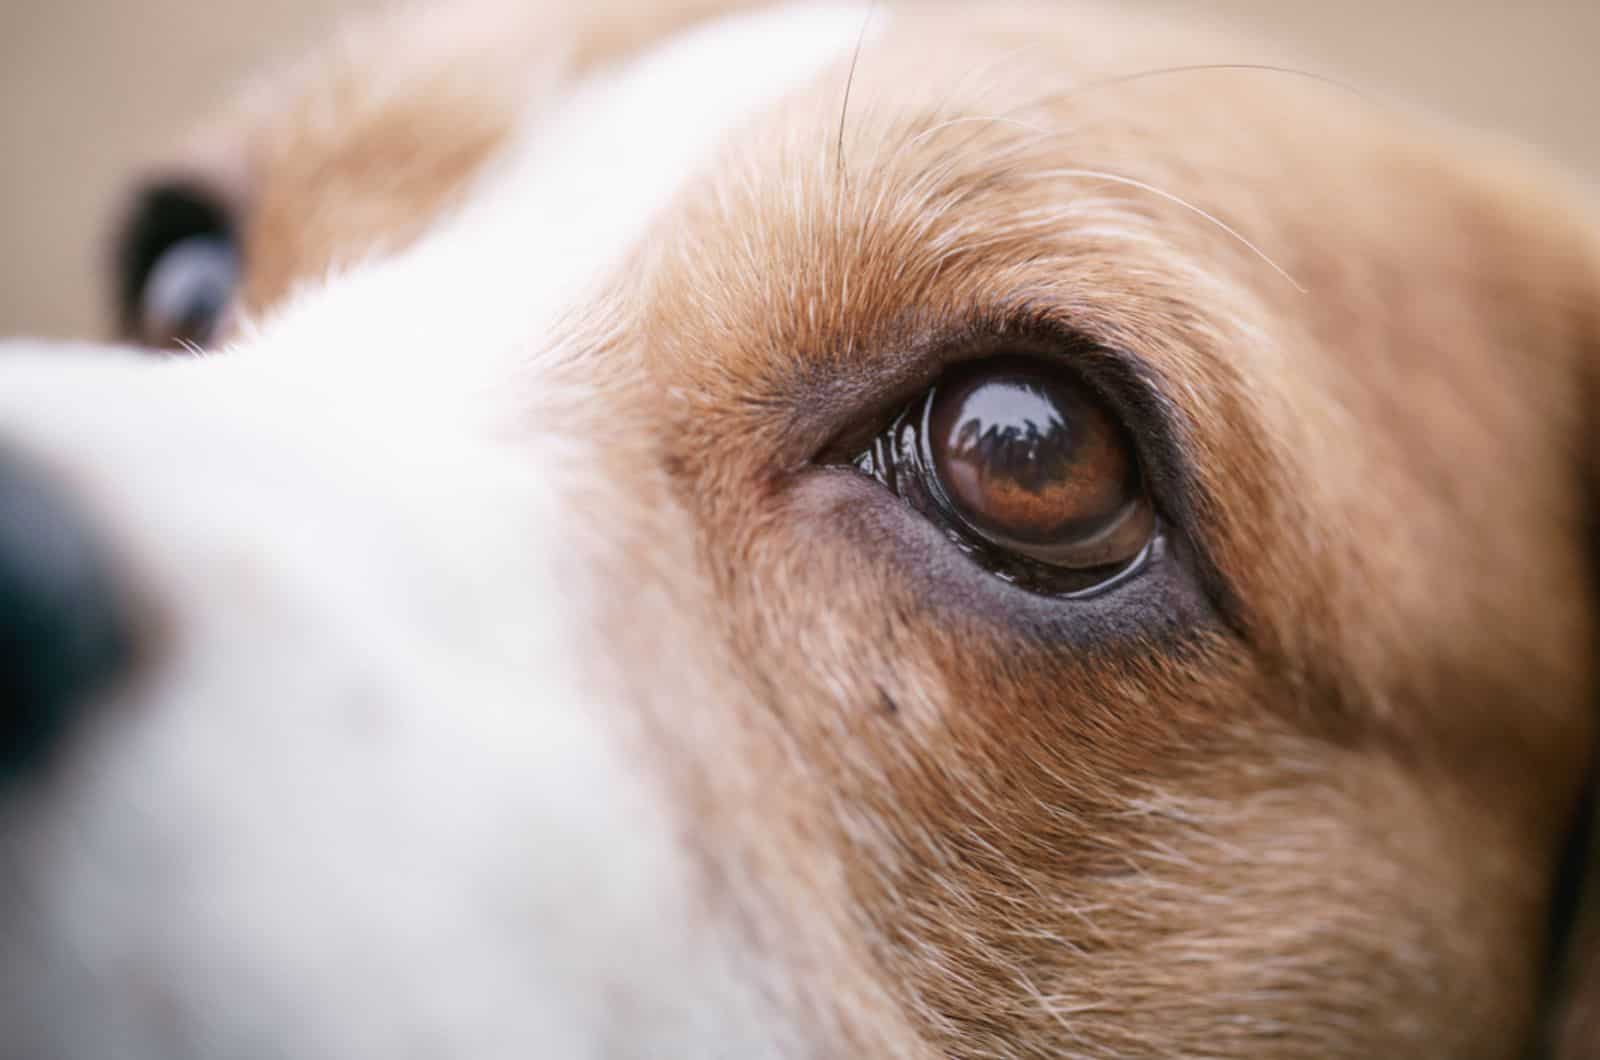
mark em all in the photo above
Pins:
pixel 187 292
pixel 177 266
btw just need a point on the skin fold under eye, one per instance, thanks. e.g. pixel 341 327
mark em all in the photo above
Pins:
pixel 1026 469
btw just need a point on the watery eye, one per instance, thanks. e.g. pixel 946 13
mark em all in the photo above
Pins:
pixel 1027 468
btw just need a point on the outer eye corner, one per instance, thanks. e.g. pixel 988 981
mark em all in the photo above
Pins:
pixel 1027 469
pixel 177 264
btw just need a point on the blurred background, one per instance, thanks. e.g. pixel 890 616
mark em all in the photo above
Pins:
pixel 88 88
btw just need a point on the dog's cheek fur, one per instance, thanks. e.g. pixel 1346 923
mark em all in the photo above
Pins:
pixel 1573 1021
pixel 1130 858
pixel 1323 835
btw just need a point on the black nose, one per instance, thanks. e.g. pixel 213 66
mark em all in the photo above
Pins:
pixel 63 636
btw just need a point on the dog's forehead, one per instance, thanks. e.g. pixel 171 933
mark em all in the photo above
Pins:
pixel 838 172
pixel 359 146
pixel 362 145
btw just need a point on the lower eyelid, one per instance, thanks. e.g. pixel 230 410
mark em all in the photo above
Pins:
pixel 1154 601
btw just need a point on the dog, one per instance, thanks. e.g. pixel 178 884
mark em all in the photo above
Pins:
pixel 913 531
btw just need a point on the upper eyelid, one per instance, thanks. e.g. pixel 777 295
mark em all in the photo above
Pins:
pixel 1122 379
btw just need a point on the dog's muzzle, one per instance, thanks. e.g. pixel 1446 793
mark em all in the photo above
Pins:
pixel 64 627
pixel 316 741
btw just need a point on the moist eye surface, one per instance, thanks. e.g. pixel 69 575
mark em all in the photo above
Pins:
pixel 1026 468
pixel 1024 456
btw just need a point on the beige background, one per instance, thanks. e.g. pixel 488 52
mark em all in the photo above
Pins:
pixel 89 86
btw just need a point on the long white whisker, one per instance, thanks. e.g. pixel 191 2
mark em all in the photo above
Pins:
pixel 998 120
pixel 1198 68
pixel 850 81
pixel 1117 178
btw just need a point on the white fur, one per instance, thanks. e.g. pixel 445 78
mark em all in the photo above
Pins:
pixel 494 285
pixel 375 796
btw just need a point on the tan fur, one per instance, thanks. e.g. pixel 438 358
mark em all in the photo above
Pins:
pixel 1322 824
pixel 357 148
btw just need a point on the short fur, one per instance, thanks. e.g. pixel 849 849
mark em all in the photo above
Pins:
pixel 1318 811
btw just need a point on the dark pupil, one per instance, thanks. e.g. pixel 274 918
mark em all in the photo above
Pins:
pixel 1027 457
pixel 1015 429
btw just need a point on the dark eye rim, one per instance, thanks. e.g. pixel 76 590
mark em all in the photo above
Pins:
pixel 163 214
pixel 1096 352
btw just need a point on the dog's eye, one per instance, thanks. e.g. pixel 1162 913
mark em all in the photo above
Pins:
pixel 186 293
pixel 178 265
pixel 1027 468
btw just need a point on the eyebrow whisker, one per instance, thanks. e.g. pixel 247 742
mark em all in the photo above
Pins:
pixel 1116 80
pixel 1235 234
pixel 1009 117
pixel 850 81
pixel 998 119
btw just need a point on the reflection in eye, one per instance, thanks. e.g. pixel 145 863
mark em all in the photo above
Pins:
pixel 1027 468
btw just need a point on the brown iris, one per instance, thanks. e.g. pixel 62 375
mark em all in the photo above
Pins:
pixel 1030 460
